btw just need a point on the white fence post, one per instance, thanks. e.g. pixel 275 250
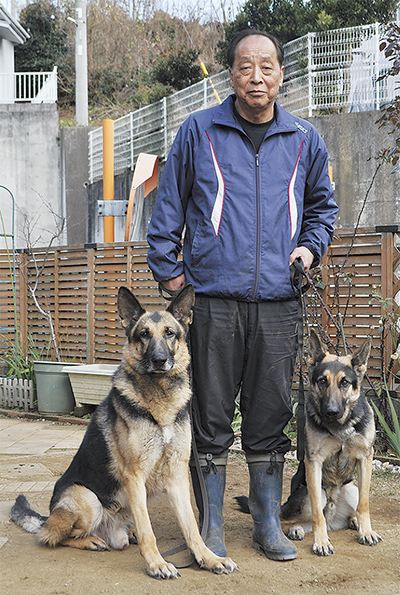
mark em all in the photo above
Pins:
pixel 377 66
pixel 131 137
pixel 91 180
pixel 309 68
pixel 165 127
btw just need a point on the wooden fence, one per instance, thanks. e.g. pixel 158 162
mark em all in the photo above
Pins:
pixel 79 286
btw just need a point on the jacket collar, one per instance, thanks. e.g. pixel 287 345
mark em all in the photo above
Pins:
pixel 283 122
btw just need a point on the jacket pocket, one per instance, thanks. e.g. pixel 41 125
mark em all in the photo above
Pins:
pixel 204 252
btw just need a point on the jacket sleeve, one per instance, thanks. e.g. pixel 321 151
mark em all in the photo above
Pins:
pixel 320 208
pixel 168 219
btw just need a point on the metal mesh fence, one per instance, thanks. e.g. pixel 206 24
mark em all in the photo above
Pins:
pixel 325 72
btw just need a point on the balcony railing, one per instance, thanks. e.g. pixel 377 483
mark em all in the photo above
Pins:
pixel 28 87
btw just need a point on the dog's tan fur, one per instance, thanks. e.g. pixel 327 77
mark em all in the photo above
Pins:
pixel 339 437
pixel 137 445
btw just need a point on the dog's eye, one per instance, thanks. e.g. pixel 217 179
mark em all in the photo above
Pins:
pixel 344 382
pixel 322 382
pixel 144 334
pixel 169 333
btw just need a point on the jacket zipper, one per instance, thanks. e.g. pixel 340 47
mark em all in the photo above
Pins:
pixel 253 297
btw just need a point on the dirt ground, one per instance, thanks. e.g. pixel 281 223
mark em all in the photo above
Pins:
pixel 28 569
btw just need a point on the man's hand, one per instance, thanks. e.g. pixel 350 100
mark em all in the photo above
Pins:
pixel 305 254
pixel 175 284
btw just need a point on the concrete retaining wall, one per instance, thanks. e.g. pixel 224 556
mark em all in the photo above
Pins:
pixel 353 141
pixel 30 168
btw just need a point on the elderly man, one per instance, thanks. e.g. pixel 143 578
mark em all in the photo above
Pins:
pixel 249 183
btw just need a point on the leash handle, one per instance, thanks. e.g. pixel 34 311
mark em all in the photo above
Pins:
pixel 167 294
pixel 298 277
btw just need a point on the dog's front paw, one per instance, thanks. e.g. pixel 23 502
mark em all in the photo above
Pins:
pixel 371 538
pixel 325 549
pixel 163 571
pixel 296 533
pixel 352 523
pixel 133 540
pixel 90 542
pixel 217 564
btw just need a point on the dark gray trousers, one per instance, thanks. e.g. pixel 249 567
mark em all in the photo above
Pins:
pixel 247 347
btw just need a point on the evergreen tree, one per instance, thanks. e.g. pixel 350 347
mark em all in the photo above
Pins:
pixel 178 70
pixel 47 45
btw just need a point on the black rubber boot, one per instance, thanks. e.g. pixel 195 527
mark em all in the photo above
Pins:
pixel 214 482
pixel 265 505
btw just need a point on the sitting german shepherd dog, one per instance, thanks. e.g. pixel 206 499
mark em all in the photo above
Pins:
pixel 339 436
pixel 137 444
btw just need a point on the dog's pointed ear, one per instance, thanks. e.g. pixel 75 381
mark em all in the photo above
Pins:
pixel 129 309
pixel 360 357
pixel 182 305
pixel 315 348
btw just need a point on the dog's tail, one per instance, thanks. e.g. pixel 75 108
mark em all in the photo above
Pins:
pixel 25 517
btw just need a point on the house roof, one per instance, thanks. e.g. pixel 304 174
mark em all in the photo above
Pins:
pixel 10 29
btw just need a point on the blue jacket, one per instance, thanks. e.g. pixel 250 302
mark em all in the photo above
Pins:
pixel 244 213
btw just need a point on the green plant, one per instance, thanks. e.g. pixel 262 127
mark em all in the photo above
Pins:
pixel 178 70
pixel 20 363
pixel 391 438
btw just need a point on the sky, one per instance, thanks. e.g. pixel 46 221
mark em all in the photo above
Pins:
pixel 209 8
pixel 214 9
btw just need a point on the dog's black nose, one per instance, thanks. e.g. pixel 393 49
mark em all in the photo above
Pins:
pixel 333 411
pixel 159 361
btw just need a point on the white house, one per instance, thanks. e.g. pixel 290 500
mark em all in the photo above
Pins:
pixel 22 87
pixel 11 34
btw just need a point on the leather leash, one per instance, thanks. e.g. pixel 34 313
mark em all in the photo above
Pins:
pixel 300 284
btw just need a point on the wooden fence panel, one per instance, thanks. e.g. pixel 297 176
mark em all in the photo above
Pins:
pixel 7 323
pixel 140 277
pixel 72 299
pixel 358 271
pixel 110 274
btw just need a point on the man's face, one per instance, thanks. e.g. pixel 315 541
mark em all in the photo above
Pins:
pixel 256 77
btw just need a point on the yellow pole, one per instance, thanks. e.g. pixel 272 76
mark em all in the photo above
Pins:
pixel 108 176
pixel 204 69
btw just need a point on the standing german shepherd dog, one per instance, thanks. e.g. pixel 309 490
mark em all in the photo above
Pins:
pixel 137 444
pixel 339 436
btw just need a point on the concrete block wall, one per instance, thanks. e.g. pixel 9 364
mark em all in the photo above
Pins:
pixel 353 142
pixel 30 168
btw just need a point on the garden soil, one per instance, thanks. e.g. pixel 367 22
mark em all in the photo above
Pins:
pixel 29 569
